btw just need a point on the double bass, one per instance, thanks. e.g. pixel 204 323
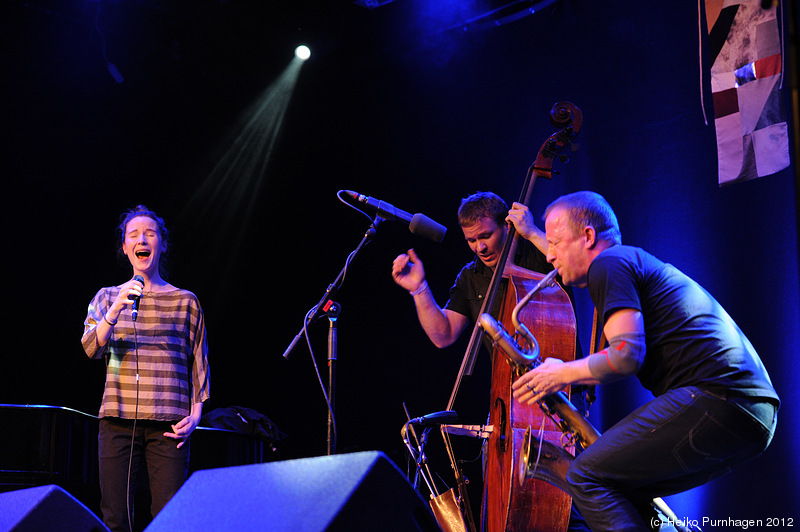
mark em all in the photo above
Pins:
pixel 532 505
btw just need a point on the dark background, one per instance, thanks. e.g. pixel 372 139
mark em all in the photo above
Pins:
pixel 416 103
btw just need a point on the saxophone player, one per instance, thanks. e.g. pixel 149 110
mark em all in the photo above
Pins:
pixel 714 406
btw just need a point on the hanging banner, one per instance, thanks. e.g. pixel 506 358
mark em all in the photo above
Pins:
pixel 746 76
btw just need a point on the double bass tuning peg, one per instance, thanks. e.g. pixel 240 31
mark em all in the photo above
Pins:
pixel 573 146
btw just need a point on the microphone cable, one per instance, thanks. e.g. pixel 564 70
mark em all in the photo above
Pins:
pixel 133 430
pixel 326 396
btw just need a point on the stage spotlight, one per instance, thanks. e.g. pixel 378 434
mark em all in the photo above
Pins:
pixel 302 52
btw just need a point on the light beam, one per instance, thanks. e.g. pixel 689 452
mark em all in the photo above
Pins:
pixel 229 194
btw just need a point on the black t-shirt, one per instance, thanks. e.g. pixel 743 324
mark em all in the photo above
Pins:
pixel 466 295
pixel 691 340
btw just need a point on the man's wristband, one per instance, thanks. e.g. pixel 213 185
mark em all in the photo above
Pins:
pixel 112 323
pixel 420 289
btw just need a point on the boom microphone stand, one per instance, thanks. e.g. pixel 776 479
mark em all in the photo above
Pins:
pixel 331 309
pixel 419 224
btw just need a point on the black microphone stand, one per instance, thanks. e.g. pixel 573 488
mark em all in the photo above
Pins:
pixel 328 307
pixel 333 343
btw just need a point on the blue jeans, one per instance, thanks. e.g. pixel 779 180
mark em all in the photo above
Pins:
pixel 167 466
pixel 677 441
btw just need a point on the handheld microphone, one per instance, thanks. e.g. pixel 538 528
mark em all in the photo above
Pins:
pixel 135 311
pixel 419 224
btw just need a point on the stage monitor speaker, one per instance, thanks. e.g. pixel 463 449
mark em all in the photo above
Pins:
pixel 46 508
pixel 347 492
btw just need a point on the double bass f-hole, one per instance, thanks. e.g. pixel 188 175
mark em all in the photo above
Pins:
pixel 501 426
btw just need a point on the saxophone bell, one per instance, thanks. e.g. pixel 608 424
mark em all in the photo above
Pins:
pixel 543 460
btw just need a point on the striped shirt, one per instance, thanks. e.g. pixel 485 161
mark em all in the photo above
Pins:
pixel 167 349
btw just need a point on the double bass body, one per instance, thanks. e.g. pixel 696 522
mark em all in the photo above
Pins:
pixel 532 505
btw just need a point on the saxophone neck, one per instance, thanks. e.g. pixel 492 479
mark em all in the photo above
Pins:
pixel 546 281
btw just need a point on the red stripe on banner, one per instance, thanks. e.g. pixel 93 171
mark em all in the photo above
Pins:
pixel 768 66
pixel 725 103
